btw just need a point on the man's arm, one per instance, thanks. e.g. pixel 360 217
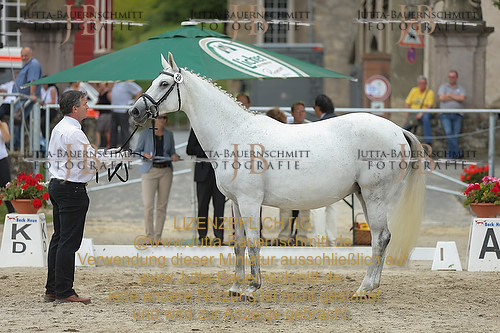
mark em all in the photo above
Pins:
pixel 32 92
pixel 457 97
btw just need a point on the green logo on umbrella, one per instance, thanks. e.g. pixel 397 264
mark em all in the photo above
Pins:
pixel 247 60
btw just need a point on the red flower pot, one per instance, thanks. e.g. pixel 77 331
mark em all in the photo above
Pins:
pixel 24 206
pixel 485 209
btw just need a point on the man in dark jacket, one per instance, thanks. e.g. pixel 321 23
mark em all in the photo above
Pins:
pixel 323 106
pixel 206 189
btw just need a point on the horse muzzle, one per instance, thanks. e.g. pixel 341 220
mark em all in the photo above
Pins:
pixel 139 116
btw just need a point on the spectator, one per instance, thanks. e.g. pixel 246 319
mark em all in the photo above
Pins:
pixel 4 160
pixel 277 114
pixel 206 190
pixel 123 93
pixel 298 112
pixel 324 220
pixel 104 121
pixel 30 72
pixel 452 96
pixel 73 86
pixel 49 95
pixel 244 99
pixel 7 88
pixel 156 174
pixel 290 217
pixel 420 97
pixel 323 107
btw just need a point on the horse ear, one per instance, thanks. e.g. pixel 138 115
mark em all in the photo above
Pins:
pixel 164 63
pixel 172 62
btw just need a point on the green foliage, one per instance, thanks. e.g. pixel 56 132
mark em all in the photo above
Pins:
pixel 160 16
pixel 496 3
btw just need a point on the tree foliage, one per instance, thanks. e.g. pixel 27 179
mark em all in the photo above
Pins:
pixel 160 16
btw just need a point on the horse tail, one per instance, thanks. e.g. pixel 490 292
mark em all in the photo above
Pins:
pixel 404 222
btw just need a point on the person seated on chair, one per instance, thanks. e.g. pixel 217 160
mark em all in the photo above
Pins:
pixel 420 97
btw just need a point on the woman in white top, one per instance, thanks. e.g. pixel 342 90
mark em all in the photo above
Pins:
pixel 4 160
pixel 49 95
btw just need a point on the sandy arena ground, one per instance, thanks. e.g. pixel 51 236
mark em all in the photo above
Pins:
pixel 414 300
pixel 411 299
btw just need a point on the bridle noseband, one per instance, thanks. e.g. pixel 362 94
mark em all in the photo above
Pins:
pixel 153 109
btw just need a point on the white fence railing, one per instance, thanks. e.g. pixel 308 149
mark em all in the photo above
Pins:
pixel 34 121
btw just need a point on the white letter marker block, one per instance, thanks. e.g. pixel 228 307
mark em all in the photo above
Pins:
pixel 24 241
pixel 446 257
pixel 484 245
pixel 85 251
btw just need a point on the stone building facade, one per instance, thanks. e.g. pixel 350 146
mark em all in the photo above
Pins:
pixel 346 40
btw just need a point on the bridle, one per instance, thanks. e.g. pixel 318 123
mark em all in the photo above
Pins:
pixel 153 109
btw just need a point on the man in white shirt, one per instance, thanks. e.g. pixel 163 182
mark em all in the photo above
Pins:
pixel 298 217
pixel 68 196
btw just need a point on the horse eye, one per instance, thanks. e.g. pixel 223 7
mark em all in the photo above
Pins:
pixel 164 83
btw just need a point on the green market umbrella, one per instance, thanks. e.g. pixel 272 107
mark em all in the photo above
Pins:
pixel 205 52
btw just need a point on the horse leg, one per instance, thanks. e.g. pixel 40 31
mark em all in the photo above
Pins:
pixel 375 210
pixel 239 252
pixel 252 231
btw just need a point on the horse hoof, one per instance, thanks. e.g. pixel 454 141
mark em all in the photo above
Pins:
pixel 241 297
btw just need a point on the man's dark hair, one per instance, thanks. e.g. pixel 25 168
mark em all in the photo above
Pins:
pixel 69 99
pixel 325 104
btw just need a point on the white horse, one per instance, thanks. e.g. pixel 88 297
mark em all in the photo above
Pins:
pixel 328 169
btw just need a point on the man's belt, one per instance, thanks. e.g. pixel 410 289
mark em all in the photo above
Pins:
pixel 62 182
pixel 167 164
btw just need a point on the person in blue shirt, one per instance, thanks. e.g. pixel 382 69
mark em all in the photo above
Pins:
pixel 30 72
pixel 156 173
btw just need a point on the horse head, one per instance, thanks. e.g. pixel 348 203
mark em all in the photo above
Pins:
pixel 155 100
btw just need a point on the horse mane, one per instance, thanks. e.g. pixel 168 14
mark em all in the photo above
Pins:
pixel 222 90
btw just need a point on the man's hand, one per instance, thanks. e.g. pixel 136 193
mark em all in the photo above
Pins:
pixel 175 157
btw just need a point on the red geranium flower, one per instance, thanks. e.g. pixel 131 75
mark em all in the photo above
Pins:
pixel 38 176
pixel 45 196
pixel 25 186
pixel 37 203
pixel 39 187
